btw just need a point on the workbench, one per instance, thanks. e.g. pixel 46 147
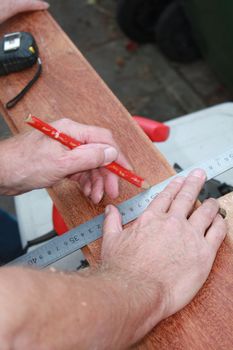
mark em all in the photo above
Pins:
pixel 70 87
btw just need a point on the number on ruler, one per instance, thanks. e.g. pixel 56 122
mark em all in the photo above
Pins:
pixel 33 261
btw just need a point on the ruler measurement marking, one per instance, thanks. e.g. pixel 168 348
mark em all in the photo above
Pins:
pixel 61 246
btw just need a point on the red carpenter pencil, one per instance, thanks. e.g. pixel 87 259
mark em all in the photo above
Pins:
pixel 72 143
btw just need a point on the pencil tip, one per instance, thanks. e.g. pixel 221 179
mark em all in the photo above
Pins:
pixel 145 185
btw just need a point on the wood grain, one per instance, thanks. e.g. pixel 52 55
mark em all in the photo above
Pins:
pixel 70 87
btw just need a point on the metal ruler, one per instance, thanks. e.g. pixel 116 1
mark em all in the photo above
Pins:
pixel 59 247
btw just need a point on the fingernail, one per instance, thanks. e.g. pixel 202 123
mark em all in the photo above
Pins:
pixel 110 154
pixel 198 173
pixel 100 197
pixel 87 190
pixel 107 209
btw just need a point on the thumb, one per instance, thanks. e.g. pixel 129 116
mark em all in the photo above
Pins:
pixel 112 226
pixel 91 156
pixel 112 223
pixel 31 5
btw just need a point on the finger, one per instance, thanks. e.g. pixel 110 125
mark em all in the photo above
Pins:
pixel 85 133
pixel 112 227
pixel 91 134
pixel 216 233
pixel 112 223
pixel 31 5
pixel 97 190
pixel 87 188
pixel 87 157
pixel 85 183
pixel 83 178
pixel 111 183
pixel 164 199
pixel 203 216
pixel 123 161
pixel 188 194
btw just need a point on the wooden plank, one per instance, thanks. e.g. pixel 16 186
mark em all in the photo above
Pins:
pixel 70 87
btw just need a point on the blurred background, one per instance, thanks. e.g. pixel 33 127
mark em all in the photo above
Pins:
pixel 162 58
pixel 146 52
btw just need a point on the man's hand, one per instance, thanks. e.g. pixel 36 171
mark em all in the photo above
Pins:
pixel 33 160
pixel 170 249
pixel 9 8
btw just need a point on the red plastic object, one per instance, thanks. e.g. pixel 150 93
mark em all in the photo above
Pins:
pixel 58 222
pixel 156 131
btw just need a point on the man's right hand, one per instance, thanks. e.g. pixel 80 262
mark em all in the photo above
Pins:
pixel 33 160
pixel 167 254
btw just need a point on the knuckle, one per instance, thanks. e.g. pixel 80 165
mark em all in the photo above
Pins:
pixel 186 196
pixel 146 217
pixel 174 221
pixel 210 208
pixel 65 121
pixel 165 195
pixel 194 180
pixel 209 212
pixel 176 182
pixel 213 203
pixel 62 162
pixel 107 133
pixel 194 183
pixel 99 158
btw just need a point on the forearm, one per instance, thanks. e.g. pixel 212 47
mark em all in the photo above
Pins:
pixel 44 310
pixel 20 167
pixel 11 166
pixel 4 148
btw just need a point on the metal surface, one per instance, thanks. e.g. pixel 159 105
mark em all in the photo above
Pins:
pixel 90 231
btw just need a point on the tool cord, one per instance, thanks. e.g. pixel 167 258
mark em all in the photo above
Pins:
pixel 17 98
